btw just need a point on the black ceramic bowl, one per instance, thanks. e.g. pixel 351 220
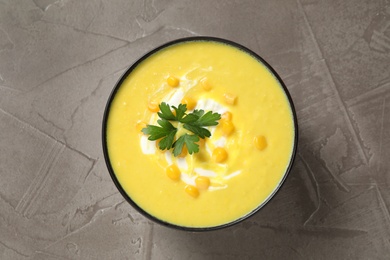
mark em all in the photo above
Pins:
pixel 118 85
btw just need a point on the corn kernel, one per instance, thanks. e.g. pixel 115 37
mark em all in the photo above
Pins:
pixel 227 116
pixel 190 102
pixel 173 81
pixel 153 106
pixel 260 142
pixel 184 151
pixel 173 172
pixel 140 125
pixel 227 127
pixel 202 182
pixel 205 84
pixel 219 154
pixel 192 191
pixel 230 98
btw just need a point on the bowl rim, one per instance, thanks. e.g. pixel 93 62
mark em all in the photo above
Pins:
pixel 126 74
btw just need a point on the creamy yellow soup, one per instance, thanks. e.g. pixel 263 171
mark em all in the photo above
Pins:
pixel 256 134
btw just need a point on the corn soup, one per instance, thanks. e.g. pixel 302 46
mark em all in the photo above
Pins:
pixel 237 168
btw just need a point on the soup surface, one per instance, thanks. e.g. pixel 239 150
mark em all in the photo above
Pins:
pixel 236 169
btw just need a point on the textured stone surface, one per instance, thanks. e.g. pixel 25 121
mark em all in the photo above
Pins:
pixel 59 60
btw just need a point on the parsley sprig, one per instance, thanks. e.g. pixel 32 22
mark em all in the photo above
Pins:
pixel 196 122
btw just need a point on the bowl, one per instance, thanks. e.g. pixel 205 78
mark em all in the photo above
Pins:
pixel 120 140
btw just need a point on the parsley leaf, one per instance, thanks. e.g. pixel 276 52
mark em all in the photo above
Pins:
pixel 194 122
pixel 197 126
pixel 198 112
pixel 167 142
pixel 200 131
pixel 189 141
pixel 189 119
pixel 167 132
pixel 166 112
pixel 209 119
pixel 180 111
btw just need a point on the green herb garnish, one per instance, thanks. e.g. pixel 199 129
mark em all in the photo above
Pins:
pixel 195 122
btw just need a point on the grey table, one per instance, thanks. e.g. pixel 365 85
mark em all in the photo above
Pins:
pixel 59 60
